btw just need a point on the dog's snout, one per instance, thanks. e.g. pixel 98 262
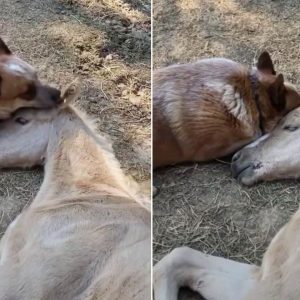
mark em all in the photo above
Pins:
pixel 54 94
pixel 48 97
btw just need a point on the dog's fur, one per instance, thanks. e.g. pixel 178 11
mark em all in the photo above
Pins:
pixel 20 86
pixel 211 108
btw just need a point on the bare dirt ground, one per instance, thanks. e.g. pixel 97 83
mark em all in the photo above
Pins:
pixel 200 205
pixel 107 44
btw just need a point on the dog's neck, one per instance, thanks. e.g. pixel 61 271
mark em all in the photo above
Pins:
pixel 255 93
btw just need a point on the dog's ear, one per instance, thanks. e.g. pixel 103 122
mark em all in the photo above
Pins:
pixel 277 93
pixel 265 64
pixel 3 48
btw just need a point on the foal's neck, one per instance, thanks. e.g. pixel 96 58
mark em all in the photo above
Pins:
pixel 79 162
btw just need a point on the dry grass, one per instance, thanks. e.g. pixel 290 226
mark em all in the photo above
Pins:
pixel 108 47
pixel 238 29
pixel 200 205
pixel 206 209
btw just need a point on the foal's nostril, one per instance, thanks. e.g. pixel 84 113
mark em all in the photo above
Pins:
pixel 236 156
pixel 257 166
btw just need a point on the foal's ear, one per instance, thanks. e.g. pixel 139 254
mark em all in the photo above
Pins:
pixel 265 64
pixel 3 48
pixel 70 93
pixel 277 93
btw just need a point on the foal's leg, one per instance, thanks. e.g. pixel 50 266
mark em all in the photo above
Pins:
pixel 213 277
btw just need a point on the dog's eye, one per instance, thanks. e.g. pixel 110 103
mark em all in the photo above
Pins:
pixel 290 128
pixel 21 120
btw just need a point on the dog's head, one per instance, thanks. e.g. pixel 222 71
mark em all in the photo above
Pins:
pixel 20 86
pixel 278 97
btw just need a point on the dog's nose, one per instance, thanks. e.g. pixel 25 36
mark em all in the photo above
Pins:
pixel 54 94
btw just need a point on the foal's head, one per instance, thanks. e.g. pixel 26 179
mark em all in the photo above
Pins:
pixel 24 137
pixel 273 156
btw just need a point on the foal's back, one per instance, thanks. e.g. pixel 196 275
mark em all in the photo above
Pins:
pixel 75 249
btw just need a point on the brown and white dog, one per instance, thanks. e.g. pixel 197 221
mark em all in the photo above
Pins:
pixel 211 108
pixel 20 86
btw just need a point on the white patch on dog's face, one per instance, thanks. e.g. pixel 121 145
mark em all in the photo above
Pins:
pixel 15 68
pixel 18 67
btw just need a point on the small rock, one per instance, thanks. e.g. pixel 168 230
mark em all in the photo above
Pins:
pixel 135 100
pixel 109 57
pixel 125 93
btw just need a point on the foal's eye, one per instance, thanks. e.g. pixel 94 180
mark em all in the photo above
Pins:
pixel 21 121
pixel 290 128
